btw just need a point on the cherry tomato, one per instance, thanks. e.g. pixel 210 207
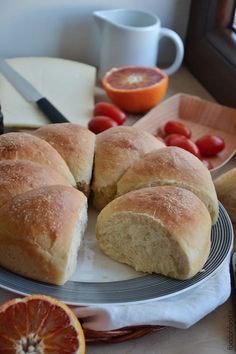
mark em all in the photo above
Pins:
pixel 100 123
pixel 208 164
pixel 182 142
pixel 210 145
pixel 110 110
pixel 174 127
pixel 170 138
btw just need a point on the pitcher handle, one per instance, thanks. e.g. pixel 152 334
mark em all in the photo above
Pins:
pixel 166 32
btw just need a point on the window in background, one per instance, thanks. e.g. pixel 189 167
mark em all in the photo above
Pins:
pixel 211 47
pixel 234 20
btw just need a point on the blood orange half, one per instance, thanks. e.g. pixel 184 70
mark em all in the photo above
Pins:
pixel 39 324
pixel 135 89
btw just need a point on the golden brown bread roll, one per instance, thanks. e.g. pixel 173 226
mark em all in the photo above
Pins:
pixel 155 230
pixel 22 146
pixel 19 176
pixel 76 145
pixel 39 212
pixel 40 233
pixel 116 150
pixel 172 166
pixel 226 191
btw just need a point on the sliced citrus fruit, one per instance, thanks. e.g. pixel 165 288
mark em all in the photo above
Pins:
pixel 135 89
pixel 39 324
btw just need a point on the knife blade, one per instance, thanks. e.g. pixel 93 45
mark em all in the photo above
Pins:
pixel 30 93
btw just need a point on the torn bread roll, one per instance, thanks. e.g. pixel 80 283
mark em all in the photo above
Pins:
pixel 164 230
pixel 226 192
pixel 50 222
pixel 19 176
pixel 172 166
pixel 76 145
pixel 116 150
pixel 23 146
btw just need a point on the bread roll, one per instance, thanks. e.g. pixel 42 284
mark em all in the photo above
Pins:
pixel 172 166
pixel 22 146
pixel 116 150
pixel 226 191
pixel 40 233
pixel 76 145
pixel 20 176
pixel 163 230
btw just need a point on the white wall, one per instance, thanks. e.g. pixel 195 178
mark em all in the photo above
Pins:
pixel 66 29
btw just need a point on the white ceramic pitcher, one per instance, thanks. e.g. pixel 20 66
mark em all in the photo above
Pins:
pixel 131 37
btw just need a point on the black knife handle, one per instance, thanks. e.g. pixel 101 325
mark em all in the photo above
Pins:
pixel 50 111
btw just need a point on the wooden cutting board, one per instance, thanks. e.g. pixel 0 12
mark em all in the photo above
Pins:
pixel 69 85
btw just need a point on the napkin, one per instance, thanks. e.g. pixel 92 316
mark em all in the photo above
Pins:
pixel 180 311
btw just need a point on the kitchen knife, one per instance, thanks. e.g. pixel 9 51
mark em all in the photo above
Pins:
pixel 30 93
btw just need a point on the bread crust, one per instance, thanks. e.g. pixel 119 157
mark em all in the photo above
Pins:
pixel 172 166
pixel 116 150
pixel 39 211
pixel 23 146
pixel 76 145
pixel 45 221
pixel 226 191
pixel 174 212
pixel 17 177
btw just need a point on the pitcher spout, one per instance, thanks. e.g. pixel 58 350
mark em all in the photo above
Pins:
pixel 100 18
pixel 114 17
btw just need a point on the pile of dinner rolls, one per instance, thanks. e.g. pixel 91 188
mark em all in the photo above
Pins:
pixel 157 204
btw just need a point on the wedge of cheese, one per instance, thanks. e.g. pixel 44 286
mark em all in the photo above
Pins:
pixel 69 85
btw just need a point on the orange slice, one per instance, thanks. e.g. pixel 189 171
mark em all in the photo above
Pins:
pixel 39 324
pixel 135 89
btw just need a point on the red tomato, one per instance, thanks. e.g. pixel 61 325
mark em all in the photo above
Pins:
pixel 170 138
pixel 182 142
pixel 210 145
pixel 100 123
pixel 109 110
pixel 174 127
pixel 208 164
